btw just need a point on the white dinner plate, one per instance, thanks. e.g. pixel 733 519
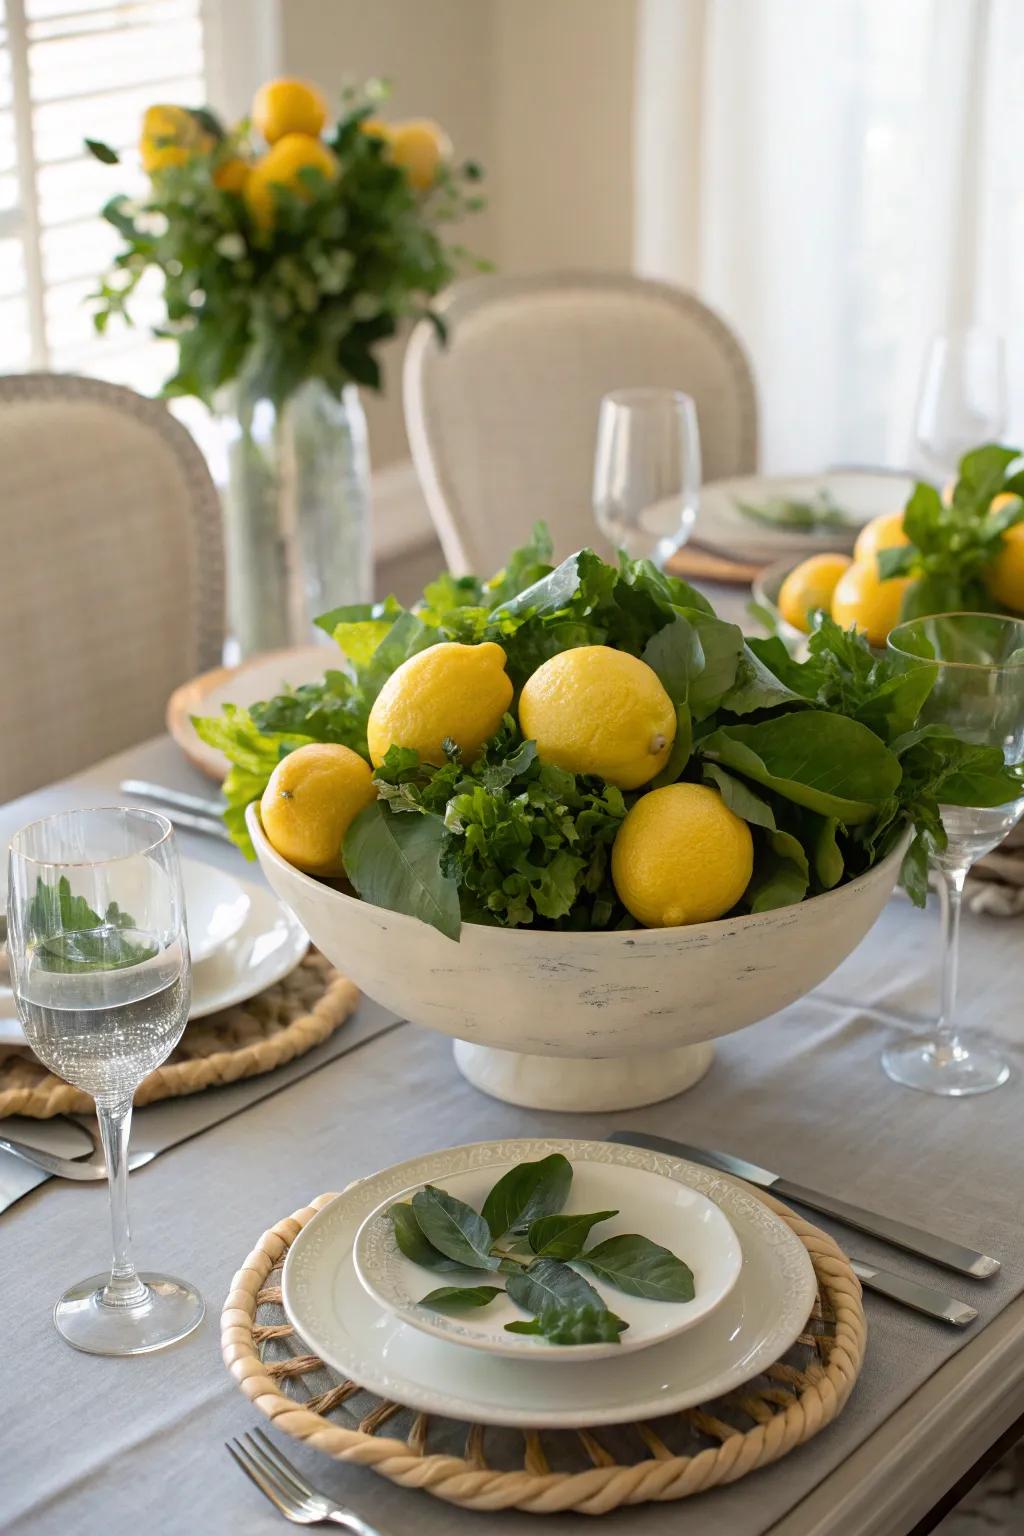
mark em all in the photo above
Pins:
pixel 270 943
pixel 754 1326
pixel 670 1213
pixel 217 905
pixel 861 494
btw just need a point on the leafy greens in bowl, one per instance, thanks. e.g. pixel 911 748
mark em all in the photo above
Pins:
pixel 822 757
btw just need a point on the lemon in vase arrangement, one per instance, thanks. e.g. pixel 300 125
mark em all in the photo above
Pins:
pixel 290 248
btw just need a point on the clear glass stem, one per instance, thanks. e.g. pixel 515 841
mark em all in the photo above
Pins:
pixel 951 888
pixel 124 1288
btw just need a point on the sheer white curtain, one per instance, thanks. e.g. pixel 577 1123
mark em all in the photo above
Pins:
pixel 841 180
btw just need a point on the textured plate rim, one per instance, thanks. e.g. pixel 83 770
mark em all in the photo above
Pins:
pixel 738 1203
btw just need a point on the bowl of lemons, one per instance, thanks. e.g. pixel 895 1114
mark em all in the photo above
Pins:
pixel 576 821
pixel 959 551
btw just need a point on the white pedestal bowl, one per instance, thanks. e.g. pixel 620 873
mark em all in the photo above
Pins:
pixel 583 1021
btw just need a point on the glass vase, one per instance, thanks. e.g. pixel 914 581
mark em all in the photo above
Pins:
pixel 296 513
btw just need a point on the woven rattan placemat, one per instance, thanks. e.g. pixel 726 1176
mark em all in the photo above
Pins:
pixel 272 1028
pixel 542 1473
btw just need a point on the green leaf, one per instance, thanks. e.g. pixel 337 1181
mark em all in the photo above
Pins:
pixel 828 858
pixel 756 686
pixel 102 152
pixel 922 515
pixel 573 1325
pixel 413 1244
pixel 675 655
pixel 914 872
pixel 640 1268
pixel 454 1228
pixel 394 861
pixel 895 704
pixel 527 1192
pixel 460 1298
pixel 898 561
pixel 781 874
pixel 548 1283
pixel 722 645
pixel 824 761
pixel 740 798
pixel 563 1237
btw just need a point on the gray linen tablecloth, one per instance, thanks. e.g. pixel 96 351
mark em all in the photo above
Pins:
pixel 115 1446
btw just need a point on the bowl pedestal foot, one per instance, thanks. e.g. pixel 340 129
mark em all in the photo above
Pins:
pixel 582 1083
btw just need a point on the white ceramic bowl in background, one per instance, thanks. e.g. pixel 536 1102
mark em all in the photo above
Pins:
pixel 765 590
pixel 670 1213
pixel 633 1010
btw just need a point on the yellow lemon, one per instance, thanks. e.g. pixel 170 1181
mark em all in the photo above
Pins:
pixel 281 166
pixel 601 711
pixel 1005 576
pixel 862 598
pixel 170 136
pixel 809 586
pixel 231 175
pixel 288 106
pixel 376 128
pixel 420 147
pixel 313 795
pixel 447 691
pixel 884 532
pixel 681 856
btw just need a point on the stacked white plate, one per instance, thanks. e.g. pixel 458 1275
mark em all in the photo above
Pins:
pixel 242 940
pixel 352 1297
pixel 859 494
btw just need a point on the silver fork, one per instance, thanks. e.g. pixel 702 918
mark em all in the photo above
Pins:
pixel 285 1487
pixel 86 1168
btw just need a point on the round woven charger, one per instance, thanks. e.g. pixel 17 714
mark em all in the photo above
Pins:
pixel 277 1025
pixel 671 1458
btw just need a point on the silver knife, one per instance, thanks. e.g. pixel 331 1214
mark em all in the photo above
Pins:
pixel 926 1245
pixel 200 805
pixel 910 1293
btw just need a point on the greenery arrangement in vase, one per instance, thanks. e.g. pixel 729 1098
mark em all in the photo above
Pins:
pixel 289 251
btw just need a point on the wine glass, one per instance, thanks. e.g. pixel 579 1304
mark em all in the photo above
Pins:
pixel 647 471
pixel 101 973
pixel 978 660
pixel 962 400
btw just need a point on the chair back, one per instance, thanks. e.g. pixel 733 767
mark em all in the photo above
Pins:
pixel 503 420
pixel 111 572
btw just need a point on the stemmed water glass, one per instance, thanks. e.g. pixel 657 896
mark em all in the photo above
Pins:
pixel 962 399
pixel 978 692
pixel 100 969
pixel 647 471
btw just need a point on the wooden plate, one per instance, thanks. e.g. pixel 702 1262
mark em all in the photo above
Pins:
pixel 258 678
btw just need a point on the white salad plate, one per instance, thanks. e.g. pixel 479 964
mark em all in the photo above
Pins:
pixel 859 494
pixel 217 905
pixel 753 1327
pixel 270 943
pixel 670 1213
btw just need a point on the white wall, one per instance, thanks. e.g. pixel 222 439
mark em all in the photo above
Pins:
pixel 562 133
pixel 437 54
pixel 540 91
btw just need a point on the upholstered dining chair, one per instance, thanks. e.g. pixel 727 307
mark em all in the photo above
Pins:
pixel 503 420
pixel 111 572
